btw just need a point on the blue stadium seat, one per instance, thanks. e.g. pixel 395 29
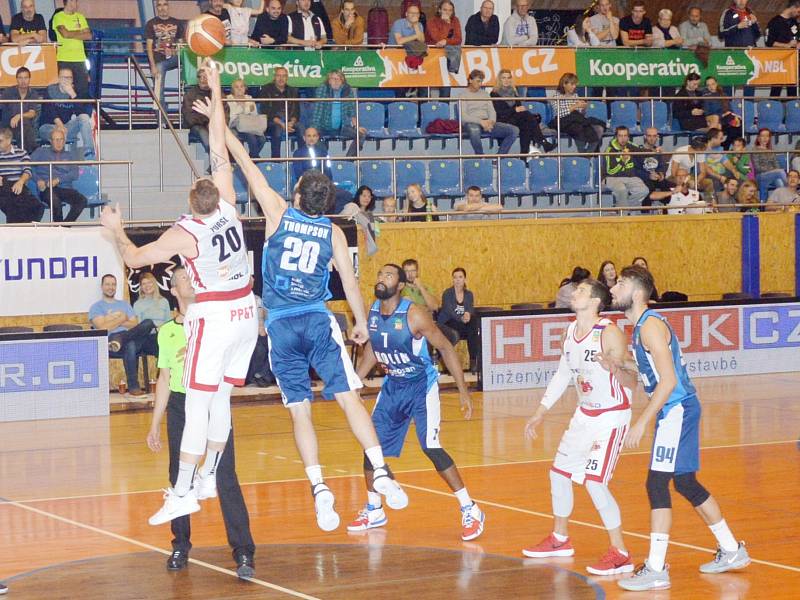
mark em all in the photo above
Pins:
pixel 88 184
pixel 625 113
pixel 597 109
pixel 429 112
pixel 749 115
pixel 402 121
pixel 513 177
pixel 408 172
pixel 378 176
pixel 770 115
pixel 544 175
pixel 480 172
pixel 275 174
pixel 344 175
pixel 576 175
pixel 793 116
pixel 444 181
pixel 781 158
pixel 542 109
pixel 655 114
pixel 372 117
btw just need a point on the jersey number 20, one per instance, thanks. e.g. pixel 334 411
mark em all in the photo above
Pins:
pixel 233 240
pixel 299 255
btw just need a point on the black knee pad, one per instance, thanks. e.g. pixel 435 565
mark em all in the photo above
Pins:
pixel 441 460
pixel 686 485
pixel 658 489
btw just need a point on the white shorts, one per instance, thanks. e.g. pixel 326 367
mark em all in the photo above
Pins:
pixel 220 338
pixel 590 447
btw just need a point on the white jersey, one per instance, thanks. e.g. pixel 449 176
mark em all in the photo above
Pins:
pixel 598 390
pixel 220 271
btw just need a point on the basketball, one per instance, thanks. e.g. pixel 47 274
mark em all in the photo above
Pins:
pixel 205 35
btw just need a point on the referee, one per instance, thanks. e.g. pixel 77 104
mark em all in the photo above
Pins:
pixel 171 397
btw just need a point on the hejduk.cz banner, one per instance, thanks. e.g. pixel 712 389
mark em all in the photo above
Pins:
pixel 522 352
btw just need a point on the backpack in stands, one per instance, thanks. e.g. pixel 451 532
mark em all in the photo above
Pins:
pixel 377 24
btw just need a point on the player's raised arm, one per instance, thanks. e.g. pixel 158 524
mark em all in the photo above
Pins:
pixel 221 170
pixel 344 264
pixel 555 389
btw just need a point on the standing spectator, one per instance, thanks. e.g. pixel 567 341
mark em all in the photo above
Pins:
pixel 603 25
pixel 782 197
pixel 569 285
pixel 279 123
pixel 693 31
pixel 162 32
pixel 16 201
pixel 217 9
pixel 348 28
pixel 151 305
pixel 513 113
pixel 72 30
pixel 607 273
pixel 71 117
pixel 444 31
pixel 728 195
pixel 337 119
pixel 318 8
pixel 578 37
pixel 691 113
pixel 28 26
pixel 456 316
pixel 416 291
pixel 21 116
pixel 306 28
pixel 420 204
pixel 782 32
pixel 570 116
pixel 635 29
pixel 240 21
pixel 768 171
pixel 272 26
pixel 197 123
pixel 520 28
pixel 483 28
pixel 244 119
pixel 620 171
pixel 478 115
pixel 407 30
pixel 738 26
pixel 63 176
pixel 665 34
pixel 423 19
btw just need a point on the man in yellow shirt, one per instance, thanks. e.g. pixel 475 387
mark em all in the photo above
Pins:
pixel 72 30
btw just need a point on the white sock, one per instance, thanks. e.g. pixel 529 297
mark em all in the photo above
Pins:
pixel 374 499
pixel 185 475
pixel 658 551
pixel 210 465
pixel 463 497
pixel 314 474
pixel 724 536
pixel 559 537
pixel 375 456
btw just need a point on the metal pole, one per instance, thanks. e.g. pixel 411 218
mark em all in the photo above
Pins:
pixel 130 190
pixel 130 93
pixel 460 131
pixel 180 91
pixel 50 186
pixel 99 129
pixel 358 146
pixel 600 184
pixel 499 184
pixel 286 126
pixel 394 182
pixel 21 124
pixel 160 151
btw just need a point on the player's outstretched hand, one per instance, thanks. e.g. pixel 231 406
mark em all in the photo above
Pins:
pixel 154 439
pixel 466 405
pixel 111 217
pixel 634 436
pixel 202 106
pixel 359 334
pixel 212 72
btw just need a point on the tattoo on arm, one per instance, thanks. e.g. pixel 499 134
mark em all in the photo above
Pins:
pixel 219 162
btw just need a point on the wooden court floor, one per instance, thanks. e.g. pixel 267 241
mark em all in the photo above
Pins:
pixel 76 495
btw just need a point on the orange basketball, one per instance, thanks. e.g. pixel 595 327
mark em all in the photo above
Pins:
pixel 205 35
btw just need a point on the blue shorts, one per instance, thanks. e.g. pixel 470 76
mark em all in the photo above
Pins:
pixel 676 443
pixel 398 402
pixel 309 340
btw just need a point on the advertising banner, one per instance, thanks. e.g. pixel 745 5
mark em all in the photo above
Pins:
pixel 522 352
pixel 40 60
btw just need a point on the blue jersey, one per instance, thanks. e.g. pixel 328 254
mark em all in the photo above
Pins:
pixel 403 356
pixel 684 391
pixel 295 265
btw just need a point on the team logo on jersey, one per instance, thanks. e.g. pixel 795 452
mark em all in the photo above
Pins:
pixel 398 323
pixel 596 446
pixel 373 322
pixel 596 335
pixel 585 386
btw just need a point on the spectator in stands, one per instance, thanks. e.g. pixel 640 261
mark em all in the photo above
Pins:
pixel 513 113
pixel 620 171
pixel 217 9
pixel 635 30
pixel 444 31
pixel 569 285
pixel 278 121
pixel 72 30
pixel 728 195
pixel 483 28
pixel 389 209
pixel 716 169
pixel 240 21
pixel 739 26
pixel 317 157
pixel 28 26
pixel 272 26
pixel 197 123
pixel 686 157
pixel 603 25
pixel 520 28
pixel 359 209
pixel 652 168
pixel 151 305
pixel 244 120
pixel 641 261
pixel 16 200
pixel 578 37
pixel 685 194
pixel 337 119
pixel 419 203
pixel 407 30
pixel 715 104
pixel 748 194
pixel 691 113
pixel 782 32
pixel 739 165
pixel 455 317
pixel 478 116
pixel 59 184
pixel 126 335
pixel 784 197
pixel 364 199
pixel 693 31
pixel 74 118
pixel 306 28
pixel 348 27
pixel 318 8
pixel 162 32
pixel 607 273
pixel 570 116
pixel 765 164
pixel 21 117
pixel 416 291
pixel 665 34
pixel 474 202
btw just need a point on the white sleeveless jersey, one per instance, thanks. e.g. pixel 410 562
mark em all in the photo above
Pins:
pixel 598 390
pixel 220 271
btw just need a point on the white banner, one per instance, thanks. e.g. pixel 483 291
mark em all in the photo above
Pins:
pixel 55 270
pixel 522 351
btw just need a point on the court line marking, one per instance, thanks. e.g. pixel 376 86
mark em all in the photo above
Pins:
pixel 147 546
pixel 400 472
pixel 593 525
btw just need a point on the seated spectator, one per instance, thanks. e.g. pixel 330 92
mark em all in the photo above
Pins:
pixel 578 37
pixel 444 31
pixel 693 31
pixel 641 261
pixel 337 119
pixel 474 202
pixel 359 209
pixel 127 337
pixel 349 27
pixel 784 197
pixel 728 195
pixel 686 157
pixel 279 123
pixel 478 116
pixel 715 105
pixel 59 187
pixel 652 168
pixel 635 29
pixel 244 120
pixel 162 34
pixel 272 26
pixel 513 113
pixel 416 291
pixel 316 154
pixel 389 210
pixel 197 123
pixel 483 28
pixel 665 34
pixel 418 203
pixel 765 164
pixel 217 9
pixel 151 305
pixel 748 194
pixel 691 113
pixel 28 26
pixel 20 117
pixel 620 171
pixel 602 25
pixel 716 168
pixel 739 165
pixel 240 21
pixel 739 26
pixel 74 118
pixel 782 33
pixel 259 373
pixel 16 200
pixel 520 28
pixel 364 200
pixel 305 28
pixel 607 273
pixel 570 116
pixel 455 317
pixel 568 286
pixel 684 194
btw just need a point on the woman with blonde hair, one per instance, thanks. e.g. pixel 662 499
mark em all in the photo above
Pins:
pixel 244 120
pixel 748 194
pixel 418 203
pixel 151 304
pixel 513 113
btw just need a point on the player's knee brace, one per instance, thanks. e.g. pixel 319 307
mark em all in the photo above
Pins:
pixel 604 503
pixel 561 492
pixel 687 486
pixel 441 460
pixel 658 489
pixel 368 463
